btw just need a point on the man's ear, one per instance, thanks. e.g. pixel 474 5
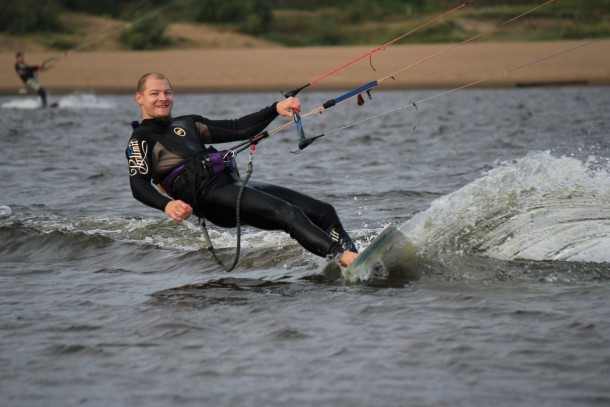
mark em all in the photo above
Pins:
pixel 139 98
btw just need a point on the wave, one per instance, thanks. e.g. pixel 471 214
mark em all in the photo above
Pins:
pixel 137 244
pixel 539 208
pixel 539 217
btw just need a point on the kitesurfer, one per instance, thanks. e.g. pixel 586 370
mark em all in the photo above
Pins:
pixel 174 153
pixel 27 73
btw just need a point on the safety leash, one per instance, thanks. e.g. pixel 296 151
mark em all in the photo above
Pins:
pixel 206 235
pixel 232 152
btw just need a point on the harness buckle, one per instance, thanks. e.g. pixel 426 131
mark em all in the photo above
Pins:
pixel 229 155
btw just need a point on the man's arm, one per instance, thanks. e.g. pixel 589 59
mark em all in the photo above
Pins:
pixel 146 193
pixel 139 154
pixel 223 131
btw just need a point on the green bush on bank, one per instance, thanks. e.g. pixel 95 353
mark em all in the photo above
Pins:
pixel 25 16
pixel 365 22
pixel 318 22
pixel 147 32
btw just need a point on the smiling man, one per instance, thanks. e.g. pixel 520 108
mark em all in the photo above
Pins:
pixel 193 177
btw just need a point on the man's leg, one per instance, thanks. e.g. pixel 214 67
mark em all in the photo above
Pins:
pixel 265 211
pixel 321 213
pixel 43 96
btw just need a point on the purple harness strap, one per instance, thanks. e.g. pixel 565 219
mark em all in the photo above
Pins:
pixel 215 162
pixel 168 181
pixel 218 162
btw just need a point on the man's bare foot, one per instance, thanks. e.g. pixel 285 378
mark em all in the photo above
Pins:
pixel 347 258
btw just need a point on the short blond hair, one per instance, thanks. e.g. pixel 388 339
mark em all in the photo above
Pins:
pixel 142 82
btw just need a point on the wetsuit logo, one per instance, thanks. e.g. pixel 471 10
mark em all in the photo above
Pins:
pixel 137 160
pixel 179 131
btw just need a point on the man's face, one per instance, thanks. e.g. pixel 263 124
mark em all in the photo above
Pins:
pixel 156 100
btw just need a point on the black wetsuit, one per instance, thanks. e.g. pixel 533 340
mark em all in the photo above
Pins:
pixel 27 75
pixel 158 147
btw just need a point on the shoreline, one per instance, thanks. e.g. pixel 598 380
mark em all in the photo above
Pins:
pixel 281 69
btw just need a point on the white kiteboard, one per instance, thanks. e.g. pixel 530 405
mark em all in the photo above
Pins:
pixel 388 261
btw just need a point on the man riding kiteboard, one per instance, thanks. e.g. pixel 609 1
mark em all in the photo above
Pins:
pixel 174 153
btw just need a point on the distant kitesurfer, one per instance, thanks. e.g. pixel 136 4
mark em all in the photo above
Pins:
pixel 27 73
pixel 174 153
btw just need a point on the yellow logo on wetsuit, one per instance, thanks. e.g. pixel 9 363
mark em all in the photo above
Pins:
pixel 179 131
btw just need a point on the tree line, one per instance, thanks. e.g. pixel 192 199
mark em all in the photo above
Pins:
pixel 292 22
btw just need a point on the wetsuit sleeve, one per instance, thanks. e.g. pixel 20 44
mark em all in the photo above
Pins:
pixel 24 71
pixel 224 131
pixel 139 158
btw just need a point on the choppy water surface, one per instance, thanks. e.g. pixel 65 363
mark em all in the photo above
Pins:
pixel 505 195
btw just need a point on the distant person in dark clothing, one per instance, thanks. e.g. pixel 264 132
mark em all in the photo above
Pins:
pixel 27 73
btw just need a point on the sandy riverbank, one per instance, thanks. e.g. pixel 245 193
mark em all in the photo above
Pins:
pixel 276 69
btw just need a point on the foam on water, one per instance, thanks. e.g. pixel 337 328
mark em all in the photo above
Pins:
pixel 162 233
pixel 22 103
pixel 76 100
pixel 539 207
pixel 258 249
pixel 5 211
pixel 84 100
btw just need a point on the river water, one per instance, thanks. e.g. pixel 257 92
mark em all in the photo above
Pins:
pixel 504 194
